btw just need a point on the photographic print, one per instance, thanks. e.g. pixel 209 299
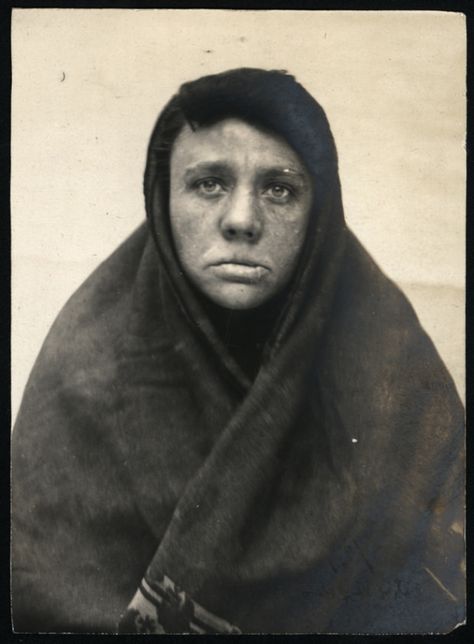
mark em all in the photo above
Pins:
pixel 238 321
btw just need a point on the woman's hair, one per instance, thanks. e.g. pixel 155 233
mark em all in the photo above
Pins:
pixel 270 100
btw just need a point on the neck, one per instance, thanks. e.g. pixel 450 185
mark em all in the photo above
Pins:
pixel 245 332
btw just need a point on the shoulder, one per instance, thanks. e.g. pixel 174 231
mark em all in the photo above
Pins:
pixel 377 349
pixel 369 297
pixel 80 353
pixel 371 312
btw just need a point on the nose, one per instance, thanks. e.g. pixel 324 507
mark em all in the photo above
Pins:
pixel 241 220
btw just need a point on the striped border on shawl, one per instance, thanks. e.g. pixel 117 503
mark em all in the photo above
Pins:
pixel 161 607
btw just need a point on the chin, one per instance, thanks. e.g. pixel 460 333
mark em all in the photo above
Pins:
pixel 238 298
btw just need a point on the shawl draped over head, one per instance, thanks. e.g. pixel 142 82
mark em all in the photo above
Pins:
pixel 160 485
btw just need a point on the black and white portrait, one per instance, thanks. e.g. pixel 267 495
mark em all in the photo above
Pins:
pixel 238 305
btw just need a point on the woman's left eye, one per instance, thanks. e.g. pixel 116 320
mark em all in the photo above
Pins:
pixel 278 192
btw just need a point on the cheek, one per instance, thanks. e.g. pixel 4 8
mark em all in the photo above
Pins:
pixel 188 225
pixel 285 236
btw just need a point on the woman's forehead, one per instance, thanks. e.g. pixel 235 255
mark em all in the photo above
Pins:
pixel 233 141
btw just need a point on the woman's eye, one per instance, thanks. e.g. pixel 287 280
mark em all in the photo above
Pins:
pixel 279 192
pixel 209 187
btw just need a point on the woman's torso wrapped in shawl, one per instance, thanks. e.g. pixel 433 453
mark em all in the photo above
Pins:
pixel 323 495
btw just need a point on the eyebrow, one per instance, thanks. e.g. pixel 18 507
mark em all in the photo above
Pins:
pixel 285 171
pixel 221 167
pixel 214 167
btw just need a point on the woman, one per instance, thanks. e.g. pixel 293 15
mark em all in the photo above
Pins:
pixel 237 423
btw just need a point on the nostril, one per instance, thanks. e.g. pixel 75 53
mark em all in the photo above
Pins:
pixel 232 232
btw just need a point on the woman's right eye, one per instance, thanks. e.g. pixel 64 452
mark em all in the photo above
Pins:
pixel 209 187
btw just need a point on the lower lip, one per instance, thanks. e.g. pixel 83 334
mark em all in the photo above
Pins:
pixel 241 273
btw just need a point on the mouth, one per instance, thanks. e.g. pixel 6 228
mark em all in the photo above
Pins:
pixel 242 271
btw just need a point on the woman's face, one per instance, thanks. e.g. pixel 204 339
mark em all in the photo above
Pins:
pixel 239 206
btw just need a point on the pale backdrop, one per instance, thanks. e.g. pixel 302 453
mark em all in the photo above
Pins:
pixel 88 86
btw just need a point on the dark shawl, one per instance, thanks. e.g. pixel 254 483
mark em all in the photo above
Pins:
pixel 324 495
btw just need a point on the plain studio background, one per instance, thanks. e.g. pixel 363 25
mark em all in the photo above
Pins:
pixel 88 86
